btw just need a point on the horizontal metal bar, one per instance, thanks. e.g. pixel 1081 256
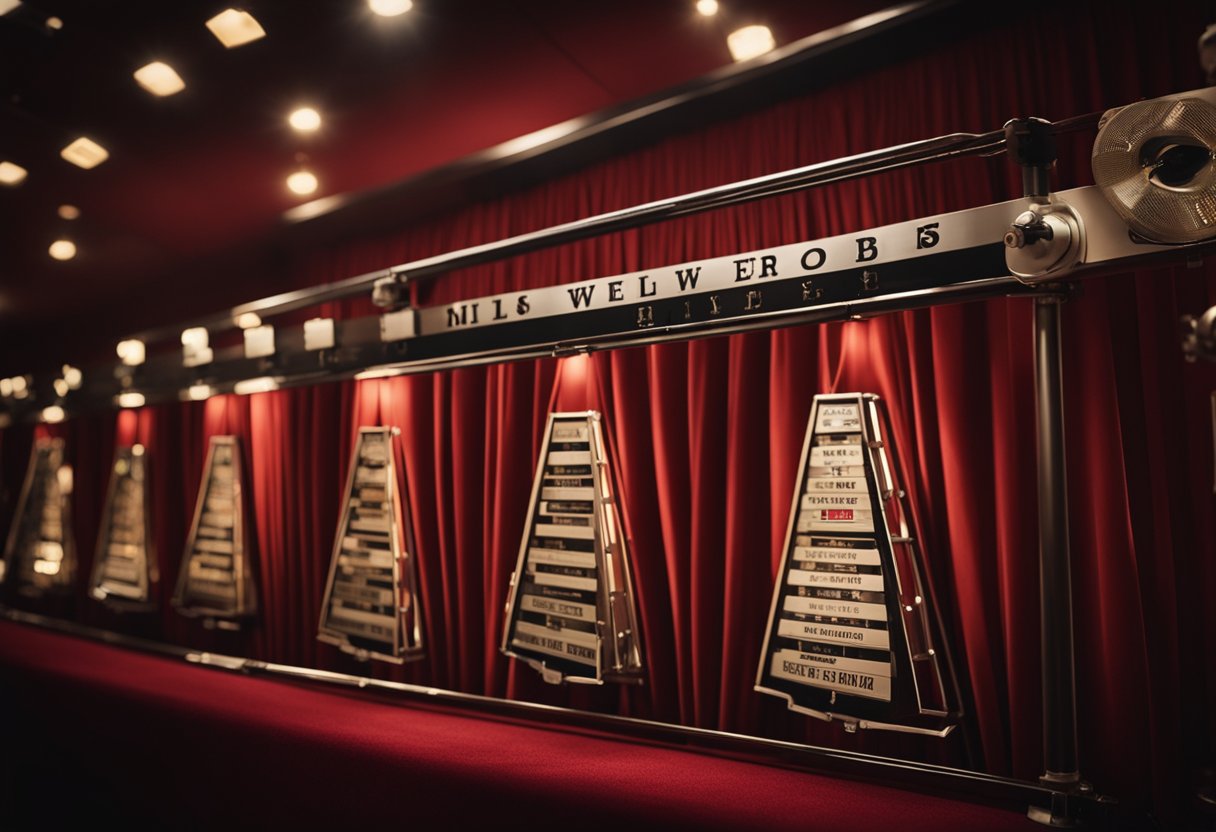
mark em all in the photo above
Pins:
pixel 809 176
pixel 957 783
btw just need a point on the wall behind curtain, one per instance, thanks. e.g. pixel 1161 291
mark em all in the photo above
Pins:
pixel 704 436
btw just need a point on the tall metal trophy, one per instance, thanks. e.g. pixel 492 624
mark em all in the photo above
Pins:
pixel 371 601
pixel 216 579
pixel 854 633
pixel 40 553
pixel 125 573
pixel 570 613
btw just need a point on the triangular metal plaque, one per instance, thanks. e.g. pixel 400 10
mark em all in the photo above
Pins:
pixel 570 613
pixel 854 633
pixel 40 554
pixel 216 578
pixel 370 607
pixel 125 573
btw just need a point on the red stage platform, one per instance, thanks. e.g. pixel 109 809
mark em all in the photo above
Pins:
pixel 98 732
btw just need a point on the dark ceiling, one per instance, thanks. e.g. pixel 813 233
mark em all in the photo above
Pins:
pixel 202 172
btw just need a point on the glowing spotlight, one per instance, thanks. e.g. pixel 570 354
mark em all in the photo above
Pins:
pixel 12 173
pixel 707 8
pixel 304 119
pixel 130 399
pixel 234 27
pixel 390 8
pixel 62 250
pixel 159 79
pixel 302 182
pixel 750 42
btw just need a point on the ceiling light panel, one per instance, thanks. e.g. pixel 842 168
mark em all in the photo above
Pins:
pixel 159 79
pixel 233 28
pixel 85 153
pixel 7 6
pixel 12 173
pixel 750 42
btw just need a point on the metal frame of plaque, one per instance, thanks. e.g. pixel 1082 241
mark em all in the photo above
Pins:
pixel 125 572
pixel 215 582
pixel 370 608
pixel 570 612
pixel 854 633
pixel 40 553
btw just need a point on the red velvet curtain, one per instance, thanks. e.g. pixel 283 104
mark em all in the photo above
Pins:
pixel 704 436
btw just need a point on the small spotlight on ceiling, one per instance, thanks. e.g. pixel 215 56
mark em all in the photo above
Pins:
pixel 12 173
pixel 61 387
pixel 54 23
pixel 69 212
pixel 72 376
pixel 159 79
pixel 750 42
pixel 302 182
pixel 131 352
pixel 62 250
pixel 708 8
pixel 390 8
pixel 85 153
pixel 304 119
pixel 7 6
pixel 53 414
pixel 233 28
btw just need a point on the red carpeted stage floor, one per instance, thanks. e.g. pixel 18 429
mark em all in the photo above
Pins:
pixel 94 732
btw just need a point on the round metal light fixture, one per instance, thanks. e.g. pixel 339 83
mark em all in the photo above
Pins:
pixel 1154 163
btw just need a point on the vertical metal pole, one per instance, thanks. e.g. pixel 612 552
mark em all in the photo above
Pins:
pixel 1055 578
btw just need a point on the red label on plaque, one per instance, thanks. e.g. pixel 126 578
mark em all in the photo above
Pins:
pixel 838 514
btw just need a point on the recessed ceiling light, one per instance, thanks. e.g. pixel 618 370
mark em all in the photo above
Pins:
pixel 12 173
pixel 160 79
pixel 7 6
pixel 54 23
pixel 69 212
pixel 708 8
pixel 302 182
pixel 131 352
pixel 233 27
pixel 73 376
pixel 390 8
pixel 305 119
pixel 53 414
pixel 62 250
pixel 85 153
pixel 750 42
